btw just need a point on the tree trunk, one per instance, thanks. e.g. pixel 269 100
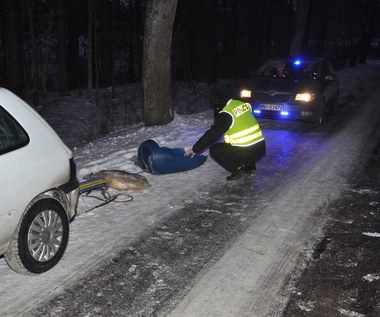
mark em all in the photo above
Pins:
pixel 134 41
pixel 372 9
pixel 366 45
pixel 106 52
pixel 75 72
pixel 159 20
pixel 63 83
pixel 15 49
pixel 47 50
pixel 321 36
pixel 360 51
pixel 301 19
pixel 255 34
pixel 89 53
pixel 33 68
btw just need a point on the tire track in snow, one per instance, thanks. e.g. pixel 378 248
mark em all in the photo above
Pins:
pixel 245 282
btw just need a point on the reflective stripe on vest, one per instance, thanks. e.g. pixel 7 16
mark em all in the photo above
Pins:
pixel 245 137
pixel 244 130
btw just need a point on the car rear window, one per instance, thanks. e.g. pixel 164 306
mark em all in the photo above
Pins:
pixel 12 135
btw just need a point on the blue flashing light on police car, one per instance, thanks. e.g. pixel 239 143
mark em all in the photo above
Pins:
pixel 297 62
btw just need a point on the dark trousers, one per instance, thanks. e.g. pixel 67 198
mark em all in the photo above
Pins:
pixel 231 157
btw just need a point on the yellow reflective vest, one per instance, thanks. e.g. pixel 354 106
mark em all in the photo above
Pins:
pixel 244 130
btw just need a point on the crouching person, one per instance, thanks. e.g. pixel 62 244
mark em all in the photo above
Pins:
pixel 244 142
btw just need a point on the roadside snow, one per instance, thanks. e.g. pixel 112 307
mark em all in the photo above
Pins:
pixel 372 234
pixel 349 313
pixel 102 233
pixel 306 306
pixel 372 277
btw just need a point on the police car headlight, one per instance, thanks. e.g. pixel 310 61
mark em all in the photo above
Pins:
pixel 306 97
pixel 245 93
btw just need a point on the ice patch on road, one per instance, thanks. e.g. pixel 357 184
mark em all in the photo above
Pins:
pixel 350 313
pixel 372 234
pixel 372 277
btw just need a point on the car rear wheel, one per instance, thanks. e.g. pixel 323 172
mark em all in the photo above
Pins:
pixel 40 238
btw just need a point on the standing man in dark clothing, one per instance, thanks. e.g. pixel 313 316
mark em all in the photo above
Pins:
pixel 244 143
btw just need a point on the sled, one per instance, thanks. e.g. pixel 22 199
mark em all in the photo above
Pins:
pixel 86 187
pixel 92 184
pixel 154 159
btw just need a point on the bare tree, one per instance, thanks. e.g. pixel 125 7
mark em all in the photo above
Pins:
pixel 33 71
pixel 14 42
pixel 159 20
pixel 106 53
pixel 63 83
pixel 75 28
pixel 47 51
pixel 90 51
pixel 301 19
pixel 360 51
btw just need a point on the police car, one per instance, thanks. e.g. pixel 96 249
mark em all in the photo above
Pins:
pixel 296 89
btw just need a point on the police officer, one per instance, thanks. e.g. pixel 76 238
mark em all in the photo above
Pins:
pixel 244 142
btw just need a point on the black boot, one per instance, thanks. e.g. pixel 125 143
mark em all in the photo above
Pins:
pixel 238 173
pixel 250 168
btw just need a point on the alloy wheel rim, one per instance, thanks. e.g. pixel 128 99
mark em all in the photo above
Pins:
pixel 45 235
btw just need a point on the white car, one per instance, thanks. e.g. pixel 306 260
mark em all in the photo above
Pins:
pixel 39 188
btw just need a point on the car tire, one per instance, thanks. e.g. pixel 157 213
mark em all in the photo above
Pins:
pixel 320 116
pixel 40 238
pixel 335 105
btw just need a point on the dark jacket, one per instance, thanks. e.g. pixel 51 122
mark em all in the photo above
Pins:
pixel 221 125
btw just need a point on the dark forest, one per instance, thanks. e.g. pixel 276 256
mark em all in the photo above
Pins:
pixel 45 44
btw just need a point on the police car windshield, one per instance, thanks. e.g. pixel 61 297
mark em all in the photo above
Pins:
pixel 299 70
pixel 289 69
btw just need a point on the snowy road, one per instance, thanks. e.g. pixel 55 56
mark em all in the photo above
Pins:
pixel 217 248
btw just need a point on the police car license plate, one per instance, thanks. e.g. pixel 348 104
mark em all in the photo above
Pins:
pixel 272 107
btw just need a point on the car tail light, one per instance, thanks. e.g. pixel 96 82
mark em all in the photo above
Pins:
pixel 73 169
